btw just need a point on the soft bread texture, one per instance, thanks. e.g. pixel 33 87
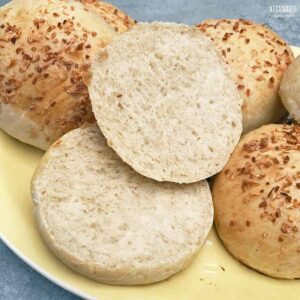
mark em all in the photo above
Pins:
pixel 111 224
pixel 257 201
pixel 290 89
pixel 257 58
pixel 46 50
pixel 165 101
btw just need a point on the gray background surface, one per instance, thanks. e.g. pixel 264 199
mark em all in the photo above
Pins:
pixel 19 281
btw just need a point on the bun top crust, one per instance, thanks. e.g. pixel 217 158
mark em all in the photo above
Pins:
pixel 258 58
pixel 116 18
pixel 257 201
pixel 46 50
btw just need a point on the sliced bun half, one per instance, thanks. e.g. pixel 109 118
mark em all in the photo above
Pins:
pixel 165 101
pixel 111 224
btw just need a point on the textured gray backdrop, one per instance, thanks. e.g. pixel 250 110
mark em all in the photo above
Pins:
pixel 17 280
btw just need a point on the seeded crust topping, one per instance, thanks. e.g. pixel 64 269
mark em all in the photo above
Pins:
pixel 47 60
pixel 47 45
pixel 271 177
pixel 265 44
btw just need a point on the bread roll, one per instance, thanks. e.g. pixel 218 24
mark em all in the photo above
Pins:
pixel 164 100
pixel 257 57
pixel 111 224
pixel 290 89
pixel 257 201
pixel 46 50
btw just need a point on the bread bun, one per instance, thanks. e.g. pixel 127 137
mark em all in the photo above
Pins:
pixel 257 201
pixel 111 224
pixel 290 89
pixel 257 57
pixel 165 101
pixel 46 50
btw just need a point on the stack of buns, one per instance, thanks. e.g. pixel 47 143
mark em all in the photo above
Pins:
pixel 155 103
pixel 141 118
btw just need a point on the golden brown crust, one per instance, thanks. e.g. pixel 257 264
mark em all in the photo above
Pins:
pixel 258 58
pixel 113 16
pixel 46 50
pixel 257 201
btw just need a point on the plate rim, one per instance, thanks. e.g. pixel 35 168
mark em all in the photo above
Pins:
pixel 44 273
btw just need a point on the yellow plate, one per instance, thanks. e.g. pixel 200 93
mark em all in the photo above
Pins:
pixel 213 275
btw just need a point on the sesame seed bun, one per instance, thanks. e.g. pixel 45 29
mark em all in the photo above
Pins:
pixel 290 89
pixel 257 201
pixel 46 50
pixel 258 58
pixel 108 222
